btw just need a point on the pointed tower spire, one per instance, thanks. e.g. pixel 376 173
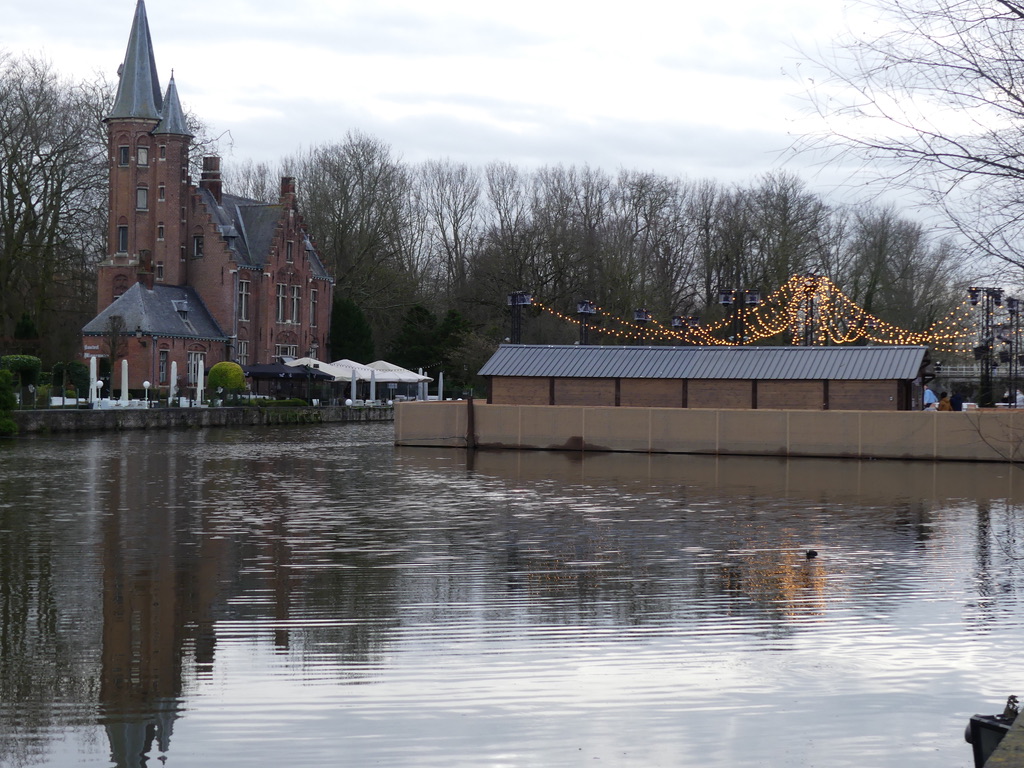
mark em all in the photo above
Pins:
pixel 138 93
pixel 174 118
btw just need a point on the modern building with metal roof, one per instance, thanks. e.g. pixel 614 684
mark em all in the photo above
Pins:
pixel 813 378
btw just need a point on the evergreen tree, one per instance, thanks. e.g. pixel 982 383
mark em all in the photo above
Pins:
pixel 351 336
pixel 423 342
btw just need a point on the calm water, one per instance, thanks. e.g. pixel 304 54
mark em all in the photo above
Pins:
pixel 317 597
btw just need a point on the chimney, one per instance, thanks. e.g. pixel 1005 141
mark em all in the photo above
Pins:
pixel 211 176
pixel 144 273
pixel 288 191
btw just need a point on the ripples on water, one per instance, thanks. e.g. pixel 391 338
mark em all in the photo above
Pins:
pixel 315 597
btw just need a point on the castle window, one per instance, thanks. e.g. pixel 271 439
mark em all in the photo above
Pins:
pixel 197 246
pixel 122 239
pixel 286 350
pixel 161 193
pixel 141 199
pixel 162 371
pixel 160 271
pixel 296 300
pixel 142 153
pixel 124 154
pixel 163 151
pixel 160 232
pixel 289 256
pixel 196 361
pixel 282 299
pixel 312 307
pixel 242 352
pixel 243 299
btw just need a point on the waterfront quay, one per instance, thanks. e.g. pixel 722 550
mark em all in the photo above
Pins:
pixel 114 419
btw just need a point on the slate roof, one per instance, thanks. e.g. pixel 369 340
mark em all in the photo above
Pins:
pixel 138 89
pixel 760 363
pixel 159 312
pixel 249 225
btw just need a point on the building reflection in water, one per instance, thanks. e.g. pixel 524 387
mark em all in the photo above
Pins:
pixel 160 579
pixel 187 537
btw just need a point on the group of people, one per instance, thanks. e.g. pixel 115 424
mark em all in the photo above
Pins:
pixel 943 402
pixel 955 402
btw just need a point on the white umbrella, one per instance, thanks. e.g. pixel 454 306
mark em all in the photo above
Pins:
pixel 124 381
pixel 92 379
pixel 394 373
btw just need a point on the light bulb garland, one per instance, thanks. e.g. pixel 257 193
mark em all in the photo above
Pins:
pixel 806 308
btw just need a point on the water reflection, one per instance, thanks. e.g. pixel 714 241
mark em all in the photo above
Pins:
pixel 201 596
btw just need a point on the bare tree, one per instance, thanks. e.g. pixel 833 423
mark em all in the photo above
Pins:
pixel 52 198
pixel 936 102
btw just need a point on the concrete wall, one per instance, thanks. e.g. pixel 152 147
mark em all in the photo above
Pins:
pixel 984 435
pixel 57 420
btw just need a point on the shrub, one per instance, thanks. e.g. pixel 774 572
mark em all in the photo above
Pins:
pixel 228 377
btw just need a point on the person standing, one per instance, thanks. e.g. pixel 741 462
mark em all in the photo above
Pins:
pixel 929 399
pixel 944 404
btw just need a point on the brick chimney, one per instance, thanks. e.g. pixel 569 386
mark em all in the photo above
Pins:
pixel 144 273
pixel 288 191
pixel 211 176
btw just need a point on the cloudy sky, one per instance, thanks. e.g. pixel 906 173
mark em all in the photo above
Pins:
pixel 692 89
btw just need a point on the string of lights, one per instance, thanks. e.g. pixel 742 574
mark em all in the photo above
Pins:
pixel 811 310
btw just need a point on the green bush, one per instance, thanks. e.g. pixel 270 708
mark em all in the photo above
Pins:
pixel 26 367
pixel 295 402
pixel 227 377
pixel 7 403
pixel 75 375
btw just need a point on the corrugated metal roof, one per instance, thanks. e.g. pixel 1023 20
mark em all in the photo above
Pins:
pixel 762 363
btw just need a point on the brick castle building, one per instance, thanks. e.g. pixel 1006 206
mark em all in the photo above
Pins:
pixel 193 275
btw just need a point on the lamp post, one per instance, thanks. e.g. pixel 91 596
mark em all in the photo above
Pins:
pixel 682 325
pixel 517 300
pixel 642 317
pixel 146 385
pixel 990 299
pixel 737 302
pixel 585 309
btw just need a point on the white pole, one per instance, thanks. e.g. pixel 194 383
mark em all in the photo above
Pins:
pixel 174 382
pixel 124 381
pixel 373 385
pixel 440 385
pixel 92 379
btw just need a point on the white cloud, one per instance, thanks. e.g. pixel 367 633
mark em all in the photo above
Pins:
pixel 672 88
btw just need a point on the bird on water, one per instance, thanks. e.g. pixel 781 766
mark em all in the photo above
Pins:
pixel 811 554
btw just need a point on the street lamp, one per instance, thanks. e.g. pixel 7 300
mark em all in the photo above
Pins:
pixel 641 317
pixel 517 300
pixel 729 298
pixel 585 309
pixel 146 385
